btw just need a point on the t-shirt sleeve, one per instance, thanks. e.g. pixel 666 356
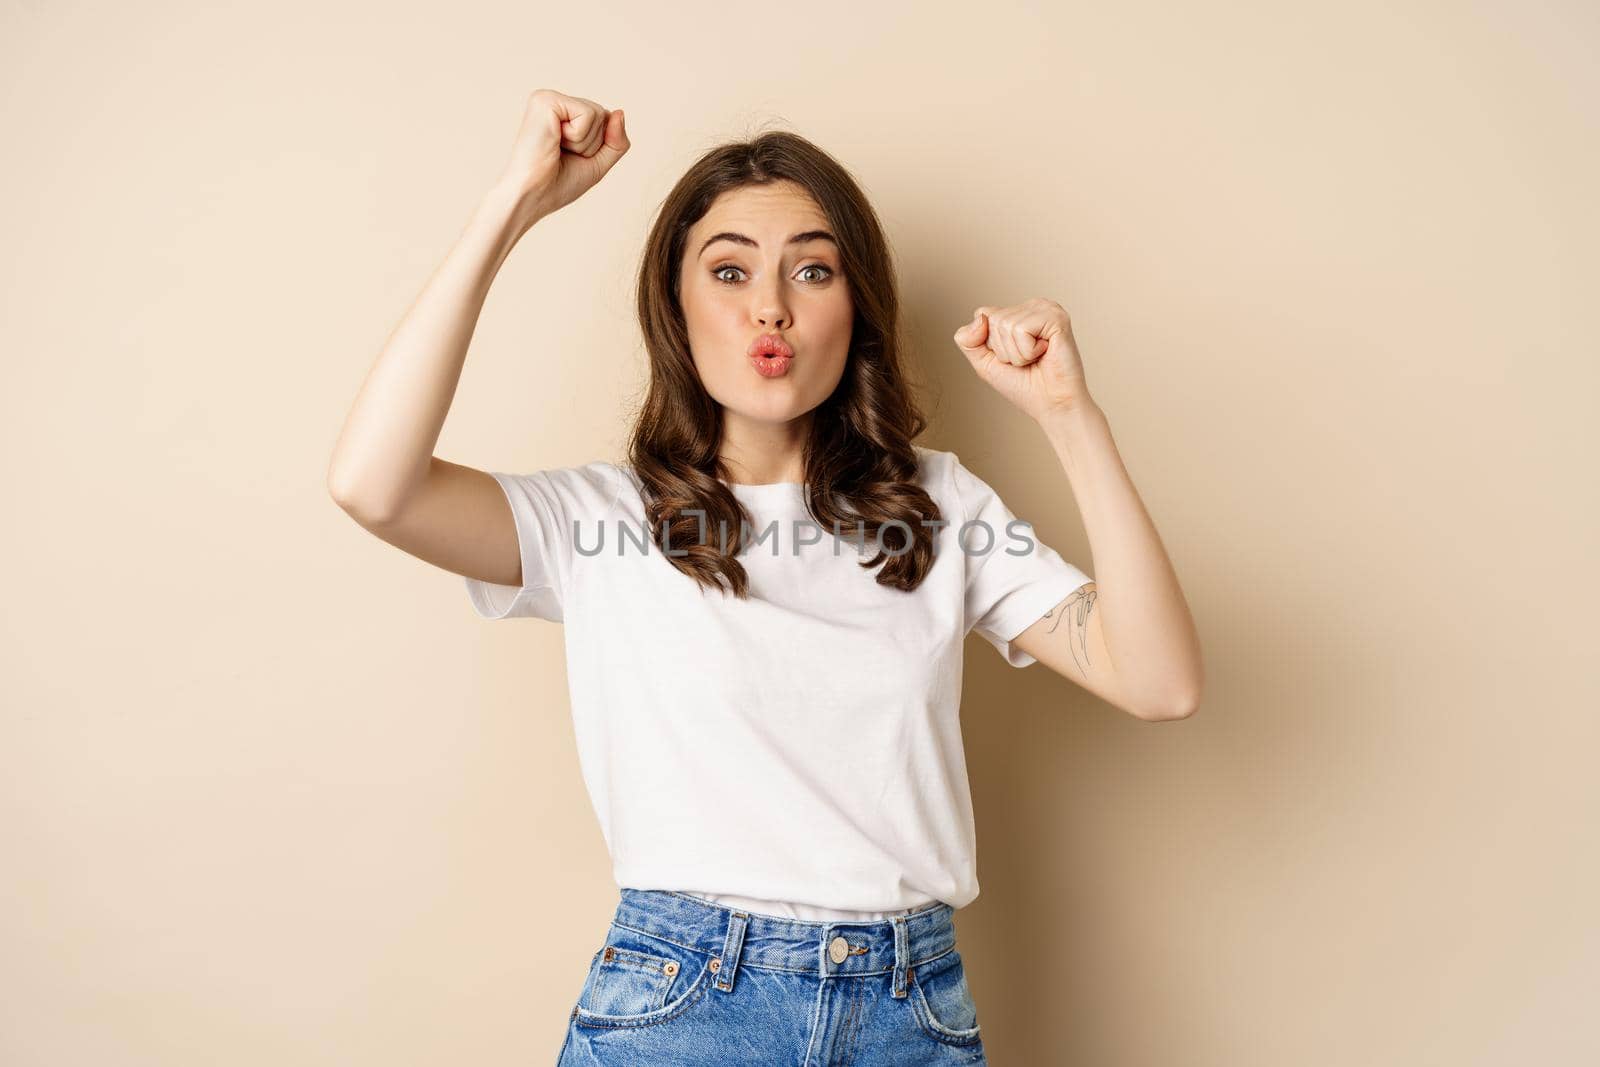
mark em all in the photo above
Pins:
pixel 546 506
pixel 1017 579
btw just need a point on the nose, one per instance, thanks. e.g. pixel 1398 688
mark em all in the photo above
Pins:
pixel 771 311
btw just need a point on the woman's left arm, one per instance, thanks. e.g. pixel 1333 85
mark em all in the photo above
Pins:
pixel 1129 636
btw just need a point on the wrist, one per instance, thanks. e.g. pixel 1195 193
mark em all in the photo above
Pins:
pixel 1069 418
pixel 511 203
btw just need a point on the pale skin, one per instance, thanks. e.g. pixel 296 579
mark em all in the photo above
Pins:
pixel 384 474
pixel 752 281
pixel 1134 613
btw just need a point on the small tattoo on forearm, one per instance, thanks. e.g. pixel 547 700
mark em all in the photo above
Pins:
pixel 1076 610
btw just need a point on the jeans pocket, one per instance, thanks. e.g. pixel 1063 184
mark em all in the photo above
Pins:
pixel 942 1001
pixel 638 979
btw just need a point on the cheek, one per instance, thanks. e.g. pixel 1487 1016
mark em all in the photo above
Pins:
pixel 716 330
pixel 709 312
pixel 841 319
pixel 846 312
pixel 693 301
pixel 840 303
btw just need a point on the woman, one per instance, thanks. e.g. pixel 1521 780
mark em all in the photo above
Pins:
pixel 765 606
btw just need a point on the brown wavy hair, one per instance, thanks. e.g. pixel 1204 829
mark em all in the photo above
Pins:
pixel 860 466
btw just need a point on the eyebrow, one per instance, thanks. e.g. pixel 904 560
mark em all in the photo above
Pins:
pixel 739 238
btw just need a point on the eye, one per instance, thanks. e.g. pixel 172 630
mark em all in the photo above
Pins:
pixel 716 272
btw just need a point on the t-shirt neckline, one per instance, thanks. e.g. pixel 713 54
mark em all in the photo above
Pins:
pixel 767 489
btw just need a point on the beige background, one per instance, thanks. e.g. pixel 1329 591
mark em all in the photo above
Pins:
pixel 273 795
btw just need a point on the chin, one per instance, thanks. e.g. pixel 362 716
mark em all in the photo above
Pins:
pixel 776 401
pixel 770 409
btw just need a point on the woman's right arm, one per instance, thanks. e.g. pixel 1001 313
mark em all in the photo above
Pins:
pixel 383 472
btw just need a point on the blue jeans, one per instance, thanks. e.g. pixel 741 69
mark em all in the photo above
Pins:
pixel 683 981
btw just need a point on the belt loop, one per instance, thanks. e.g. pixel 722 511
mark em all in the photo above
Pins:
pixel 731 947
pixel 902 955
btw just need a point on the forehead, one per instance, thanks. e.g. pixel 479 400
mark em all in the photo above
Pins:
pixel 760 207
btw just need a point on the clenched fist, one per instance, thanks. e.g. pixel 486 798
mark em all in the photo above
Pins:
pixel 565 146
pixel 1027 353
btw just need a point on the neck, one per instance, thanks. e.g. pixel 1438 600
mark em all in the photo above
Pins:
pixel 760 453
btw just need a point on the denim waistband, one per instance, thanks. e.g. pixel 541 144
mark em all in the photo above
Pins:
pixel 830 948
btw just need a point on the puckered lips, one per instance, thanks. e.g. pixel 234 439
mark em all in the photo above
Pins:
pixel 771 355
pixel 770 344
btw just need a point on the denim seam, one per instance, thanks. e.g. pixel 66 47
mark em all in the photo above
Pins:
pixel 934 1028
pixel 702 985
pixel 661 937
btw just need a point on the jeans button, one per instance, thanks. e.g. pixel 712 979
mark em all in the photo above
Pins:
pixel 838 949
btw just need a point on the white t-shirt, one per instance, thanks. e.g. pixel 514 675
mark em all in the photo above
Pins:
pixel 797 753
